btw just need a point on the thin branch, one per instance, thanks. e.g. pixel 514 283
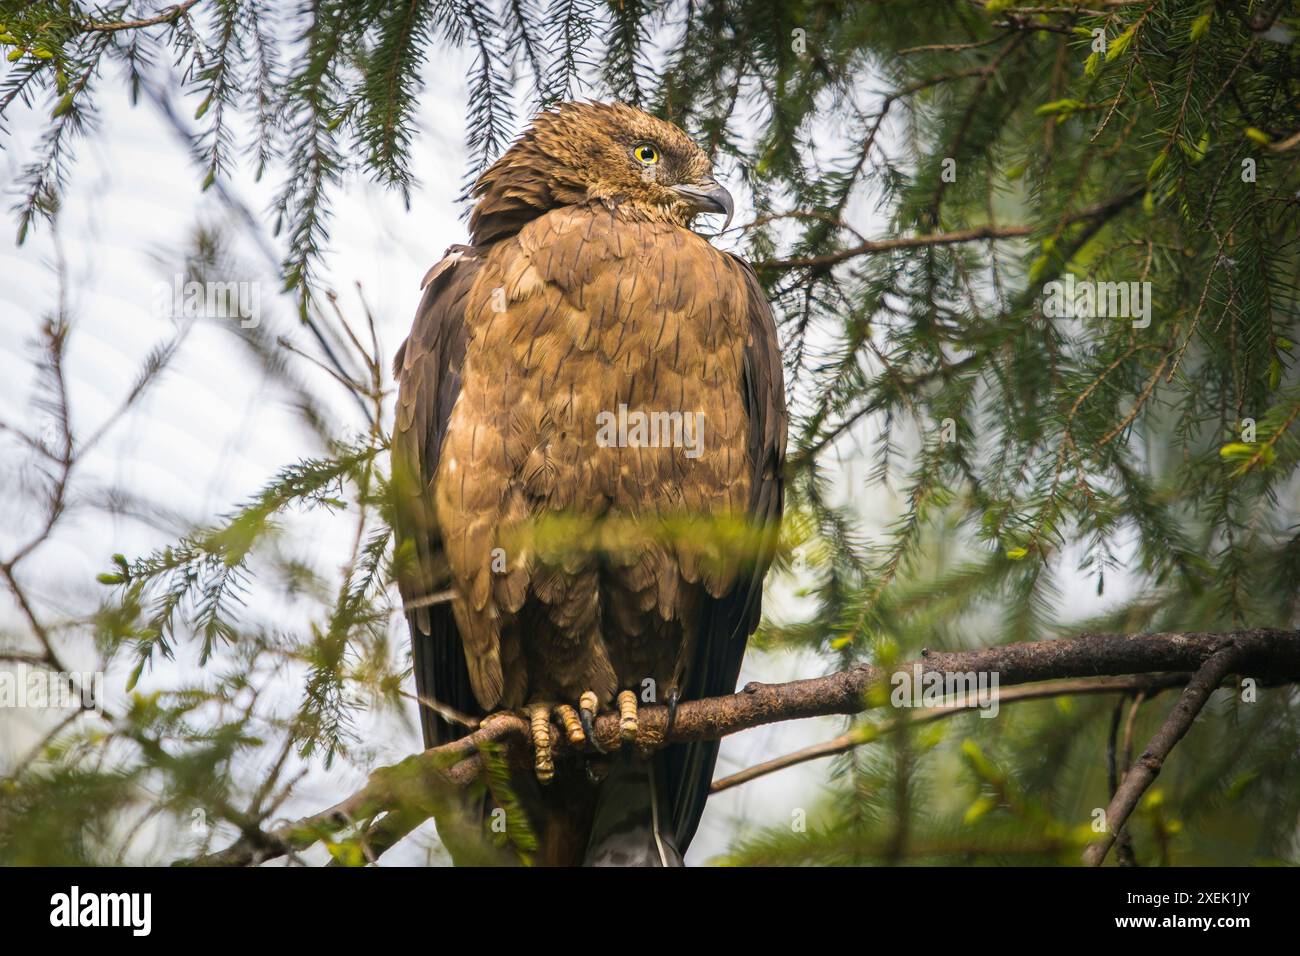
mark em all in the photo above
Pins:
pixel 871 732
pixel 169 15
pixel 978 234
pixel 1140 776
pixel 406 784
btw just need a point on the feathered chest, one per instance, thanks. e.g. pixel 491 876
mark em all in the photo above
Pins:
pixel 603 366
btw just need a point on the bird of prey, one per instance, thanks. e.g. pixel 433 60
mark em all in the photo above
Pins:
pixel 590 403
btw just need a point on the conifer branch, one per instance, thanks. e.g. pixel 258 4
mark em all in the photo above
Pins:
pixel 169 15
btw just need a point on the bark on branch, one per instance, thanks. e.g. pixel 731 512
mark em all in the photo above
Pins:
pixel 1147 767
pixel 413 787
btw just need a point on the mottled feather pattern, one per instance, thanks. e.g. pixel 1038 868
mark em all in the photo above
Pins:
pixel 581 313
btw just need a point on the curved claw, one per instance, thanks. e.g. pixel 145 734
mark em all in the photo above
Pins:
pixel 674 697
pixel 587 705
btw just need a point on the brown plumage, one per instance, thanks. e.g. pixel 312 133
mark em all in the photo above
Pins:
pixel 584 292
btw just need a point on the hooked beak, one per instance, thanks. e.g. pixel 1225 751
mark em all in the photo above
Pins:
pixel 708 196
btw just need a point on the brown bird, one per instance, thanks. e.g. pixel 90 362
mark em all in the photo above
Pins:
pixel 590 413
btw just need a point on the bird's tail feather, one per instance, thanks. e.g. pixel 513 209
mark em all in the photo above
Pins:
pixel 632 825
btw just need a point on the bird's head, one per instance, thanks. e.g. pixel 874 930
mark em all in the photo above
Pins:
pixel 606 153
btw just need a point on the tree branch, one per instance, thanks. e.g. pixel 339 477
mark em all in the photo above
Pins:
pixel 423 779
pixel 979 233
pixel 169 15
pixel 1176 725
pixel 868 733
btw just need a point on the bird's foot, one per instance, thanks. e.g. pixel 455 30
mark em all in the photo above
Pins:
pixel 627 724
pixel 579 727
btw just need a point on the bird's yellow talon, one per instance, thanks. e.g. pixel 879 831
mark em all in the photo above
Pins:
pixel 539 721
pixel 627 715
pixel 572 724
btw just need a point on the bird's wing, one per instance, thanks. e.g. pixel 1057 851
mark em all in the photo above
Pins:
pixel 428 370
pixel 729 620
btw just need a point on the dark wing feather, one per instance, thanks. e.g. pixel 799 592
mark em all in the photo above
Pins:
pixel 428 370
pixel 729 620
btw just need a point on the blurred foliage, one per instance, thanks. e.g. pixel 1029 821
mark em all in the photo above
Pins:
pixel 996 148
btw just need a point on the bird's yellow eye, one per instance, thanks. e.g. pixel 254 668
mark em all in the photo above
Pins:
pixel 645 154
